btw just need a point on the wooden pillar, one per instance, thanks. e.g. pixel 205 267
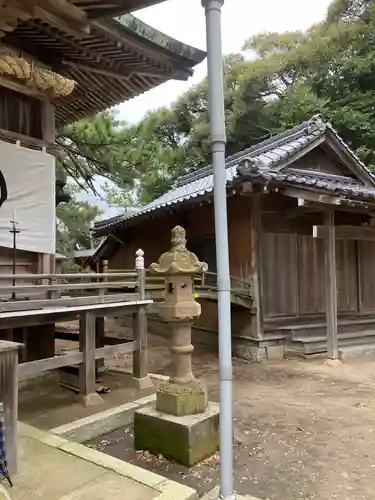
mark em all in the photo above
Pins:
pixel 87 383
pixel 140 376
pixel 256 266
pixel 99 342
pixel 331 284
pixel 9 398
pixel 48 135
pixel 101 267
pixel 43 338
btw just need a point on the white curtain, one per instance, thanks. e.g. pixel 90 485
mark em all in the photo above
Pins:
pixel 27 194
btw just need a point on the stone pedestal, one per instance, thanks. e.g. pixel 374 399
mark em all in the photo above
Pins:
pixel 184 439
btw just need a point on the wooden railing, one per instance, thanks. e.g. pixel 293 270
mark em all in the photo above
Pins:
pixel 44 290
pixel 203 282
pixel 87 296
pixel 209 281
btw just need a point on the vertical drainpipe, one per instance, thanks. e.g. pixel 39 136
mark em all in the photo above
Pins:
pixel 218 141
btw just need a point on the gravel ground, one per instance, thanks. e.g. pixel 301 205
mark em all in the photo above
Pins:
pixel 303 430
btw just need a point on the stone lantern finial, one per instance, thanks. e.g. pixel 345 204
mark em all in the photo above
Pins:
pixel 178 260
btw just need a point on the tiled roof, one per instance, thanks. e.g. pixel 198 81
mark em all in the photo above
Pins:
pixel 353 190
pixel 263 158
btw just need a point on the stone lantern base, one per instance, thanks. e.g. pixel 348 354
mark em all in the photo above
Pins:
pixel 182 399
pixel 184 439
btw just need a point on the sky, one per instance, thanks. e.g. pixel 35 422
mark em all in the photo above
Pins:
pixel 185 21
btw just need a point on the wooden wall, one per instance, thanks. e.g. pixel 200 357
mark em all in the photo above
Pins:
pixel 26 262
pixel 153 236
pixel 293 275
pixel 20 113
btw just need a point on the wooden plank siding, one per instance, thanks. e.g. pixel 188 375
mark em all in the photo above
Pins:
pixel 366 273
pixel 347 275
pixel 292 266
pixel 310 275
pixel 280 274
pixel 154 235
pixel 294 275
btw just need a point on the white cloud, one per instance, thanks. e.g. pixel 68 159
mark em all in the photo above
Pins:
pixel 185 21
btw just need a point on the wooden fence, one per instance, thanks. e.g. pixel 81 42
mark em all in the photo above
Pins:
pixel 34 299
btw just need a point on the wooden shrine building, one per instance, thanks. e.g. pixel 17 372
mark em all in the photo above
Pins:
pixel 301 215
pixel 61 61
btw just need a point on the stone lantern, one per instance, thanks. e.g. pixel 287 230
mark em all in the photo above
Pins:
pixel 183 425
pixel 183 394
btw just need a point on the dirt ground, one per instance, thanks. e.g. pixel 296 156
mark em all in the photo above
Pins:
pixel 303 430
pixel 45 404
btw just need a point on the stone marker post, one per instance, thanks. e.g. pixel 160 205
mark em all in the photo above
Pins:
pixel 183 425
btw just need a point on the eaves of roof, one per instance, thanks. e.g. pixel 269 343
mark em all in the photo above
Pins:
pixel 116 61
pixel 189 55
pixel 315 181
pixel 200 183
pixel 264 160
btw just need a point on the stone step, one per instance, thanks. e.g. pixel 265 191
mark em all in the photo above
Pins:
pixel 344 331
pixel 318 344
pixel 341 336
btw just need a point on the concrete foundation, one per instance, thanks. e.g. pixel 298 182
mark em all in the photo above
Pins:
pixel 183 439
pixel 92 399
pixel 142 383
pixel 257 351
pixel 360 351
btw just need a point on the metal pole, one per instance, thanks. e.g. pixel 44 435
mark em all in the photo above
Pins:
pixel 218 141
pixel 14 231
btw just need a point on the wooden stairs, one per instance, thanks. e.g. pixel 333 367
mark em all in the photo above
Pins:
pixel 311 339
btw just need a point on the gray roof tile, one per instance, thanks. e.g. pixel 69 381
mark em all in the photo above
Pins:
pixel 263 157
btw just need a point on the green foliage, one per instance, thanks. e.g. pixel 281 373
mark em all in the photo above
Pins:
pixel 74 222
pixel 101 145
pixel 279 79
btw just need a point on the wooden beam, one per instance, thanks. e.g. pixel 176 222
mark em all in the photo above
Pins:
pixel 256 265
pixel 35 289
pixel 112 350
pixel 345 206
pixel 140 329
pixel 331 284
pixel 69 26
pixel 293 213
pixel 364 233
pixel 304 195
pixel 96 70
pixel 27 305
pixel 15 85
pixel 32 368
pixel 119 75
pixel 64 9
pixel 87 348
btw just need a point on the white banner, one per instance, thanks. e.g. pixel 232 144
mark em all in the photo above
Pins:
pixel 27 195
